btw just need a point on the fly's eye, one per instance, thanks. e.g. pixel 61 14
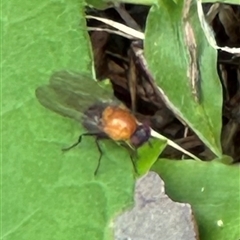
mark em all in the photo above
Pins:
pixel 140 136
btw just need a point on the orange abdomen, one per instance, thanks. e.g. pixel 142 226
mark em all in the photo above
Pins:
pixel 118 123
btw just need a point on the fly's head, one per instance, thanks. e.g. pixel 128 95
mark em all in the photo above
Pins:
pixel 140 136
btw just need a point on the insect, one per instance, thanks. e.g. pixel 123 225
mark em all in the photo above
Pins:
pixel 76 96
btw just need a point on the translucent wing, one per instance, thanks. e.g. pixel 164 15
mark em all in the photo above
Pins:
pixel 70 94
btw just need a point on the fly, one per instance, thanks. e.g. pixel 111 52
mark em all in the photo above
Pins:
pixel 77 96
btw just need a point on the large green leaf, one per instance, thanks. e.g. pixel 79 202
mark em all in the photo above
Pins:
pixel 169 60
pixel 212 189
pixel 48 194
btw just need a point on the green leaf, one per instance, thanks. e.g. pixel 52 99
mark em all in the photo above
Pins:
pixel 222 1
pixel 48 194
pixel 169 61
pixel 147 155
pixel 98 4
pixel 212 189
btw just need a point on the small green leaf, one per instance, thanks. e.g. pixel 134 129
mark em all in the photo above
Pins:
pixel 148 155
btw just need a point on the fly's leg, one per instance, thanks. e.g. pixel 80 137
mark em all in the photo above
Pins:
pixel 97 143
pixel 150 144
pixel 100 156
pixel 79 141
pixel 133 155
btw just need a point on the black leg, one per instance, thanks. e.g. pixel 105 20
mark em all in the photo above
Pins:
pixel 133 154
pixel 97 143
pixel 100 157
pixel 79 141
pixel 133 157
pixel 150 144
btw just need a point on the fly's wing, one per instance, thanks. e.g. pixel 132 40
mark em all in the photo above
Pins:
pixel 70 94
